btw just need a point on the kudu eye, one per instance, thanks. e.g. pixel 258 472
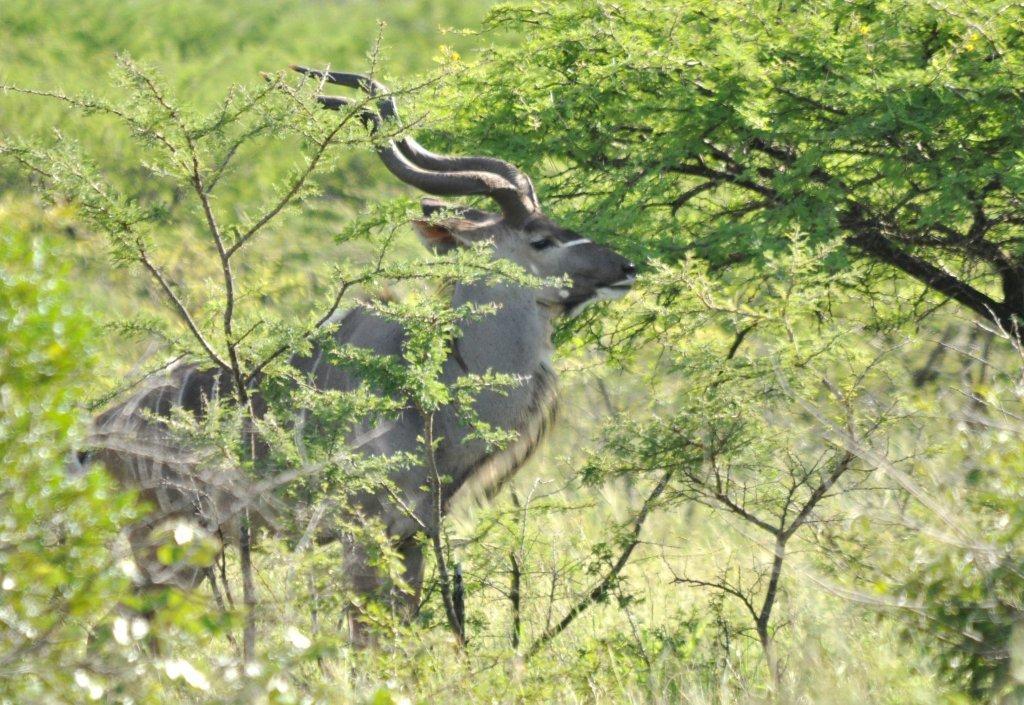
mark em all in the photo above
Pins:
pixel 542 243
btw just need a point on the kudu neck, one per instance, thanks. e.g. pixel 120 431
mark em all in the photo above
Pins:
pixel 515 339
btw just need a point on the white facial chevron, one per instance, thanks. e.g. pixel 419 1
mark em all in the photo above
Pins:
pixel 573 243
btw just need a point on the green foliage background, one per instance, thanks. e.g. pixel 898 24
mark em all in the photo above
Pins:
pixel 737 151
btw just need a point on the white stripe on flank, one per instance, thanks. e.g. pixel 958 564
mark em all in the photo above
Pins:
pixel 181 389
pixel 573 243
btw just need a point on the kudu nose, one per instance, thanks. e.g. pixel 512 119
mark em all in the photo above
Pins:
pixel 629 269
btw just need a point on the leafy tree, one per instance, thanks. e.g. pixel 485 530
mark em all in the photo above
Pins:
pixel 717 129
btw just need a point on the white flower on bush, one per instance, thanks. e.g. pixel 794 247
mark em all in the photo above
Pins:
pixel 277 683
pixel 128 567
pixel 140 628
pixel 297 639
pixel 125 632
pixel 121 632
pixel 183 533
pixel 84 681
pixel 180 668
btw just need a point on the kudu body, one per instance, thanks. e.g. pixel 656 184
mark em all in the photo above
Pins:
pixel 133 442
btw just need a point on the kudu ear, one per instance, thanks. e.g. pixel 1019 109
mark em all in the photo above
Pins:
pixel 438 236
pixel 448 233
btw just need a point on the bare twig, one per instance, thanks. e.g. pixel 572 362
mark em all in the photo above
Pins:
pixel 180 309
pixel 601 589
pixel 435 532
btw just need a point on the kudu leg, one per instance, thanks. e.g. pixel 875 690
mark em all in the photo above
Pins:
pixel 154 576
pixel 408 602
pixel 369 583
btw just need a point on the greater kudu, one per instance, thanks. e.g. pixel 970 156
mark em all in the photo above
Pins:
pixel 132 441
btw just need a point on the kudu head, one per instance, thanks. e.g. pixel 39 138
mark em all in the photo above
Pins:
pixel 520 232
